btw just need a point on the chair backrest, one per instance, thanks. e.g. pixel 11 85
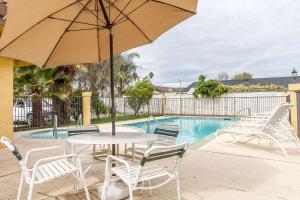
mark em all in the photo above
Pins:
pixel 278 115
pixel 77 130
pixel 8 143
pixel 167 130
pixel 160 153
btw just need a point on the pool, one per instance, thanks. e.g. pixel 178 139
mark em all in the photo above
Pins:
pixel 192 129
pixel 48 134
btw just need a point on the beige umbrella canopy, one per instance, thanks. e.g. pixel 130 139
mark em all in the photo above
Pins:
pixel 50 33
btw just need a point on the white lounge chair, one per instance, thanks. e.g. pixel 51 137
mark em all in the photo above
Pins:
pixel 46 169
pixel 257 119
pixel 275 128
pixel 134 176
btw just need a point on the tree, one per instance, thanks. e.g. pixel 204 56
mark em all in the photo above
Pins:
pixel 223 76
pixel 242 76
pixel 149 77
pixel 63 77
pixel 125 73
pixel 209 88
pixel 96 77
pixel 92 77
pixel 34 82
pixel 139 95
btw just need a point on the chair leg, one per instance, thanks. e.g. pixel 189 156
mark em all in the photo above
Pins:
pixel 104 192
pixel 130 193
pixel 150 186
pixel 178 188
pixel 85 187
pixel 30 191
pixel 20 186
pixel 82 177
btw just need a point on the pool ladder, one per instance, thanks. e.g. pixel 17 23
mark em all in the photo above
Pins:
pixel 151 118
pixel 55 127
pixel 79 120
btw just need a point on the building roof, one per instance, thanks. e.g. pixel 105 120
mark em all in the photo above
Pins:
pixel 283 81
pixel 167 89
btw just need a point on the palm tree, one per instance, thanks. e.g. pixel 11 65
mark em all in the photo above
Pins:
pixel 125 71
pixel 92 77
pixel 63 77
pixel 34 83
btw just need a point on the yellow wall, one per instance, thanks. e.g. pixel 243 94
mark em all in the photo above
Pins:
pixel 6 97
pixel 86 108
pixel 293 98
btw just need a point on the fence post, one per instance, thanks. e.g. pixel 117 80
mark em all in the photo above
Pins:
pixel 163 104
pixel 234 109
pixel 86 108
pixel 295 110
pixel 124 110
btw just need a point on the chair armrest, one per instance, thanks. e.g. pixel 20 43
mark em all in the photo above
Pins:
pixel 111 157
pixel 108 166
pixel 41 149
pixel 52 158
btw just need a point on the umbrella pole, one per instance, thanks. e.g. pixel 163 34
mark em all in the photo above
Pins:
pixel 112 88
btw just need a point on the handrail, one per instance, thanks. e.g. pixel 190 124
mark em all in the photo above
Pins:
pixel 247 108
pixel 55 127
pixel 148 122
pixel 79 120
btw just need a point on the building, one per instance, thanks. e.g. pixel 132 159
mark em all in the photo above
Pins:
pixel 282 81
pixel 160 90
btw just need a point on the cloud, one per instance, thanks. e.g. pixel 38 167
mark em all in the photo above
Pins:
pixel 257 36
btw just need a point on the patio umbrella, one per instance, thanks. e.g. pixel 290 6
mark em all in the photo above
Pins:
pixel 51 33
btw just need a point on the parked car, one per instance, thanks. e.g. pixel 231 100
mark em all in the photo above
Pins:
pixel 22 110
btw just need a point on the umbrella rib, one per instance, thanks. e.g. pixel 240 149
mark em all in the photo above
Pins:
pixel 122 11
pixel 104 12
pixel 38 24
pixel 144 34
pixel 174 6
pixel 85 29
pixel 64 33
pixel 67 20
pixel 120 20
pixel 91 12
pixel 98 40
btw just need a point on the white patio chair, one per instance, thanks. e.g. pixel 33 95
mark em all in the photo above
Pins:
pixel 166 136
pixel 276 129
pixel 134 176
pixel 97 153
pixel 46 169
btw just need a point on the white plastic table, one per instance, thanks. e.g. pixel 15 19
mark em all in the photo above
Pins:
pixel 108 138
pixel 116 190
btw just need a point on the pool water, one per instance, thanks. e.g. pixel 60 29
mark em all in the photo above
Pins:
pixel 48 134
pixel 192 129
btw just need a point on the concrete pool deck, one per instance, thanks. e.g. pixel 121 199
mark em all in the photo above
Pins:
pixel 213 171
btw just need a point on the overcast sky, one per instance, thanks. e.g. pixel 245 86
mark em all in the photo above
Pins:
pixel 258 36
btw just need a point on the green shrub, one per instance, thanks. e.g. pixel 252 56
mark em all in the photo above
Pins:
pixel 139 95
pixel 209 88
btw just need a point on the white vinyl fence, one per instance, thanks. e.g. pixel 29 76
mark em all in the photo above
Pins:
pixel 220 106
